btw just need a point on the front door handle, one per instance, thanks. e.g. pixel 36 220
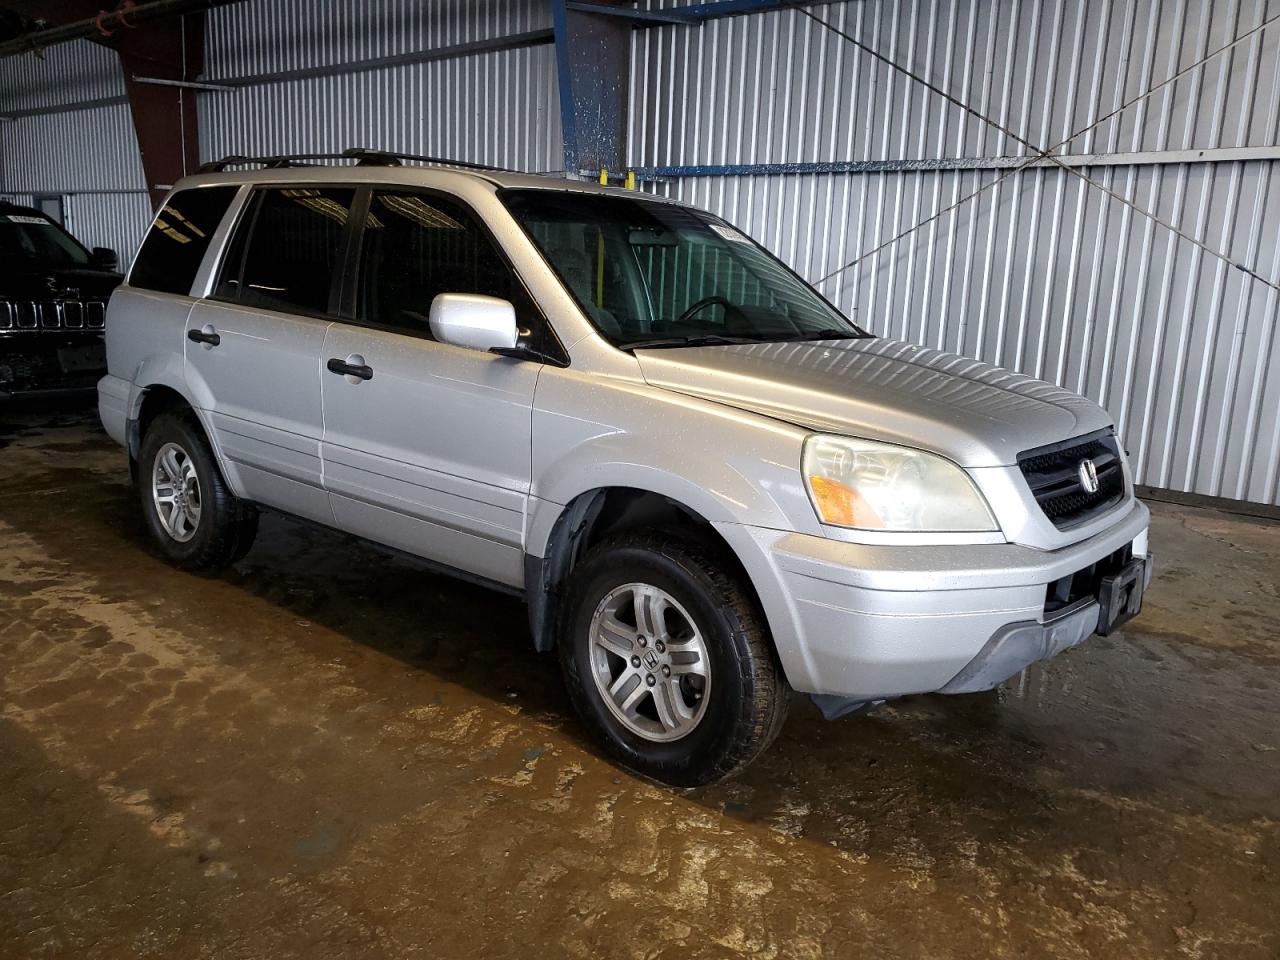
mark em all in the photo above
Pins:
pixel 361 371
pixel 207 336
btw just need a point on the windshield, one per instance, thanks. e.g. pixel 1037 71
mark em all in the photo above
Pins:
pixel 658 275
pixel 27 236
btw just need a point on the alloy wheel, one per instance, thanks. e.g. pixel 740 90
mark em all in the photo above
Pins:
pixel 649 662
pixel 175 490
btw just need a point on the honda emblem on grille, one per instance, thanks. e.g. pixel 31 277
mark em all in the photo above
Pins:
pixel 1088 471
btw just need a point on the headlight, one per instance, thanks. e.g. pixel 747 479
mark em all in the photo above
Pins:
pixel 877 486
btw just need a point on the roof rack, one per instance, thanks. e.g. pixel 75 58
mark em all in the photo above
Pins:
pixel 364 157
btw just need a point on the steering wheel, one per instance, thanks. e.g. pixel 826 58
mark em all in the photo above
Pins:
pixel 702 305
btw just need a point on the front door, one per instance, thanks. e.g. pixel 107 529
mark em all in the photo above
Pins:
pixel 427 446
pixel 253 350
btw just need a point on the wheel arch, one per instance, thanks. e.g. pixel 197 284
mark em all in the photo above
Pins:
pixel 157 397
pixel 590 517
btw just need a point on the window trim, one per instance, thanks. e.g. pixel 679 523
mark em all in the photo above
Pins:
pixel 250 208
pixel 556 355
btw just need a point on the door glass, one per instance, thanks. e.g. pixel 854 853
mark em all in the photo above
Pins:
pixel 417 246
pixel 287 248
pixel 178 239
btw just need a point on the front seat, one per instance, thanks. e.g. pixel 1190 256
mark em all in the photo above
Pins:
pixel 576 269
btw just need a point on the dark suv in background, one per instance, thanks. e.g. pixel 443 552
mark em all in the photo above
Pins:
pixel 53 298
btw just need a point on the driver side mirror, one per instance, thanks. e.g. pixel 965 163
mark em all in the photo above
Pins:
pixel 474 321
pixel 104 258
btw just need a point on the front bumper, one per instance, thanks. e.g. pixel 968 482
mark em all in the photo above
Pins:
pixel 869 622
pixel 50 362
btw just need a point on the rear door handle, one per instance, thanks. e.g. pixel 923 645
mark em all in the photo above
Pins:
pixel 207 336
pixel 361 371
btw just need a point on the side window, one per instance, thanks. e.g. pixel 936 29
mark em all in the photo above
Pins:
pixel 417 246
pixel 286 249
pixel 176 243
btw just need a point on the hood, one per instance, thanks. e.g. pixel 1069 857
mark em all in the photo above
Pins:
pixel 34 282
pixel 971 412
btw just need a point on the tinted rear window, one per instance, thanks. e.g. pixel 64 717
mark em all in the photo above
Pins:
pixel 177 242
pixel 287 249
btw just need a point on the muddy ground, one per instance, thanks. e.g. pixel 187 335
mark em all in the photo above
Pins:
pixel 329 752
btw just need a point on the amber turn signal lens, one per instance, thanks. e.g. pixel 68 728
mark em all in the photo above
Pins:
pixel 841 505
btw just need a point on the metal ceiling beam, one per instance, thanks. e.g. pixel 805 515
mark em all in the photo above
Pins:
pixel 64 107
pixel 631 13
pixel 693 14
pixel 105 24
pixel 1137 159
pixel 509 42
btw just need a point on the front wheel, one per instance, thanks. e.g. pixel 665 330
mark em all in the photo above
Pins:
pixel 667 659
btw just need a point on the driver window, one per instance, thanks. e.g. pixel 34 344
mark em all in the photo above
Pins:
pixel 416 246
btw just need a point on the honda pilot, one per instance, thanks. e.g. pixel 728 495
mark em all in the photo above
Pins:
pixel 709 486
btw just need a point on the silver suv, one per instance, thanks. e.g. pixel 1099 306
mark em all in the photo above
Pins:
pixel 708 485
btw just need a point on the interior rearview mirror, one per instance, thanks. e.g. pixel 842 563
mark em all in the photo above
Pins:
pixel 474 321
pixel 641 237
pixel 105 258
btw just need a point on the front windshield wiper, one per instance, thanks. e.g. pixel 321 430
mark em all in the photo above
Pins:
pixel 830 333
pixel 698 340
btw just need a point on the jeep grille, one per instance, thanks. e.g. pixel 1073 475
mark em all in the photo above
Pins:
pixel 52 315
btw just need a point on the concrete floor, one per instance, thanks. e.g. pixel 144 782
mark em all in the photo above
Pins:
pixel 329 753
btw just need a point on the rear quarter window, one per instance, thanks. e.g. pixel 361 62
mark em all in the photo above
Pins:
pixel 178 240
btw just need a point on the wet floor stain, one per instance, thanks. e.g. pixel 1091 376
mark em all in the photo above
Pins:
pixel 331 752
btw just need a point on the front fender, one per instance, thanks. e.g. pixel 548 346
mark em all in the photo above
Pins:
pixel 726 465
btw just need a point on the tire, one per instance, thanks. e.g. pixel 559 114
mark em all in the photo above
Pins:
pixel 217 528
pixel 723 720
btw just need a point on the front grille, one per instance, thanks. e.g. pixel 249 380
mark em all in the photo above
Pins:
pixel 52 315
pixel 1054 475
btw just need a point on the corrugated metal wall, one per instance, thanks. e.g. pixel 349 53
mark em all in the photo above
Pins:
pixel 1042 273
pixel 495 107
pixel 89 157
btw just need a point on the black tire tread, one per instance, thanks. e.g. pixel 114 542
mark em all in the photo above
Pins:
pixel 234 523
pixel 766 693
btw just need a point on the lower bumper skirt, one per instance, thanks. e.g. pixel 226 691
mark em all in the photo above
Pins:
pixel 1015 647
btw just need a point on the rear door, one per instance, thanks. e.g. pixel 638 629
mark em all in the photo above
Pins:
pixel 431 452
pixel 253 348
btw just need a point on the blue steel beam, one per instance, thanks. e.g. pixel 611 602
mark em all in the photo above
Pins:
pixel 593 61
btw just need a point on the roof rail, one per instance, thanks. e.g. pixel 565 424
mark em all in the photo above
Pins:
pixel 364 157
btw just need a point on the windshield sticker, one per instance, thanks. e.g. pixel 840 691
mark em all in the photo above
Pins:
pixel 15 218
pixel 729 233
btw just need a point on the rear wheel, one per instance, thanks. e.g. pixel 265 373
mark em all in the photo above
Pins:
pixel 191 514
pixel 668 661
